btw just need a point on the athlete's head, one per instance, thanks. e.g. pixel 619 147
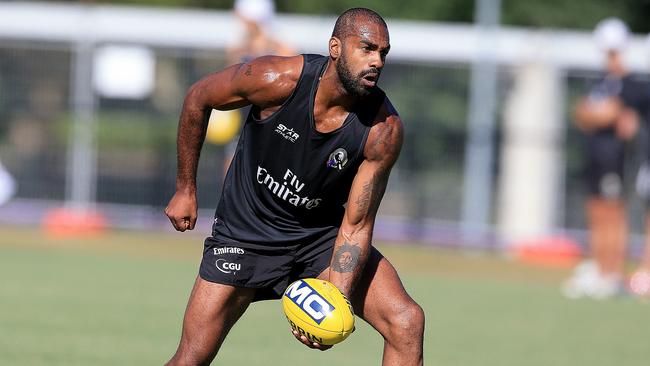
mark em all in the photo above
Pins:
pixel 611 35
pixel 358 47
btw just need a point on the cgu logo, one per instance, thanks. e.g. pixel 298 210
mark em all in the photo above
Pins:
pixel 227 267
pixel 309 301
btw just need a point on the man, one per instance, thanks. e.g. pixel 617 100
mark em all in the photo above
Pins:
pixel 285 212
pixel 608 117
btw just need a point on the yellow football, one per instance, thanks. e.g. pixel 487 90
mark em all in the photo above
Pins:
pixel 318 310
pixel 222 126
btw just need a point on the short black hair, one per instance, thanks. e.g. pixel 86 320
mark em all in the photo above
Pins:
pixel 345 24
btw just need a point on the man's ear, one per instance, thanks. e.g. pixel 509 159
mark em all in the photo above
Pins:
pixel 335 47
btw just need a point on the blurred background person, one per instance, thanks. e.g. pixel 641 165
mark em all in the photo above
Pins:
pixel 256 18
pixel 609 118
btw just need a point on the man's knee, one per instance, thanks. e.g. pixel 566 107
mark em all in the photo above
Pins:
pixel 407 322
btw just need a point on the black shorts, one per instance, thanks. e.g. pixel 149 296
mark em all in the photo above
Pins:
pixel 606 156
pixel 266 268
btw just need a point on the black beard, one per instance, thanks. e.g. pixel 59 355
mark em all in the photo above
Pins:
pixel 351 84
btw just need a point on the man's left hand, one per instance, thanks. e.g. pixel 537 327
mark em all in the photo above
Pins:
pixel 302 339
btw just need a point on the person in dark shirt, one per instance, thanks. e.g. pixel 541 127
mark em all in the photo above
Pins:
pixel 301 195
pixel 608 116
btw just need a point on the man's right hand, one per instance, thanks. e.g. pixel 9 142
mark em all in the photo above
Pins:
pixel 627 124
pixel 182 211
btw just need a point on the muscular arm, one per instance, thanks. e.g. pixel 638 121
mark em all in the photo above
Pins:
pixel 590 115
pixel 265 82
pixel 353 243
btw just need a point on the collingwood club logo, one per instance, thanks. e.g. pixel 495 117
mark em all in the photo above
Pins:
pixel 338 159
pixel 287 133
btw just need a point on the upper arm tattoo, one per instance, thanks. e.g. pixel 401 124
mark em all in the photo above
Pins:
pixel 346 258
pixel 386 140
pixel 382 140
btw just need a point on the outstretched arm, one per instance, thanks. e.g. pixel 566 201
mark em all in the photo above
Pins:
pixel 265 82
pixel 353 243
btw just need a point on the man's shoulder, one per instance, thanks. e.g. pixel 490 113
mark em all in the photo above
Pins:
pixel 374 108
pixel 386 134
pixel 387 116
pixel 286 64
pixel 270 67
pixel 385 111
pixel 269 80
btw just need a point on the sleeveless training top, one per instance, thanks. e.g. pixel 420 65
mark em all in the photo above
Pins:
pixel 287 183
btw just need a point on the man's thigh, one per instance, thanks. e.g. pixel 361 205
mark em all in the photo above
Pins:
pixel 381 300
pixel 379 293
pixel 211 312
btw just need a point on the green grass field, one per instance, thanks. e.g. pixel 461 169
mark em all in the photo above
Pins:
pixel 119 300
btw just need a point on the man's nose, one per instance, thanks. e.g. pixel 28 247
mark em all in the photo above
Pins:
pixel 377 61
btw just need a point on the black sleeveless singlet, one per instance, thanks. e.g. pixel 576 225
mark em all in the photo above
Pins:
pixel 288 183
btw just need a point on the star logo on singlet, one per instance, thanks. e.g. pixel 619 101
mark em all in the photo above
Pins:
pixel 287 133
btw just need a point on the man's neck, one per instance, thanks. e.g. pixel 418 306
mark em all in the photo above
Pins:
pixel 331 91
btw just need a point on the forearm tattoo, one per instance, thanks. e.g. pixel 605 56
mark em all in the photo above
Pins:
pixel 363 201
pixel 371 193
pixel 346 258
